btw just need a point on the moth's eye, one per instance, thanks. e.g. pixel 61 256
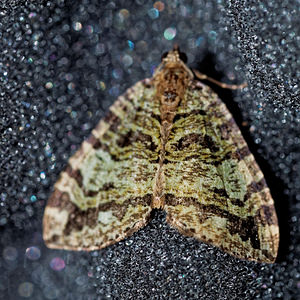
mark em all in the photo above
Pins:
pixel 183 57
pixel 164 55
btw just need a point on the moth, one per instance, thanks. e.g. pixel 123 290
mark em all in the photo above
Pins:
pixel 168 143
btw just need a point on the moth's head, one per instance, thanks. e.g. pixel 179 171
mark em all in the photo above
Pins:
pixel 174 55
pixel 173 62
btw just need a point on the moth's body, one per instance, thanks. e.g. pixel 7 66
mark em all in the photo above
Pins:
pixel 168 143
pixel 170 81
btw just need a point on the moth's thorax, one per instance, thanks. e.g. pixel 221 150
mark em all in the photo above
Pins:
pixel 171 80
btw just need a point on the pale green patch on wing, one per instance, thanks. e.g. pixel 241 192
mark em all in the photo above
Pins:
pixel 234 182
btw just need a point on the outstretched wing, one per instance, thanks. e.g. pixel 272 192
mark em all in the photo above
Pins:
pixel 215 190
pixel 106 190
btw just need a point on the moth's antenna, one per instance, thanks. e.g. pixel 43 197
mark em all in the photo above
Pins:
pixel 223 85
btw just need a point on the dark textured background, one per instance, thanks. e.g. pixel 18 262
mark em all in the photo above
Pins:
pixel 62 63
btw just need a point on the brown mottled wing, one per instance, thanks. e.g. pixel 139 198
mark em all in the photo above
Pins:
pixel 215 190
pixel 106 190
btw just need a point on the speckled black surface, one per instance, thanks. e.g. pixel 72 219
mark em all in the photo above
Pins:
pixel 62 63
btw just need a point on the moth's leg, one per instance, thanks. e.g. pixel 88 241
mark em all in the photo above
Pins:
pixel 202 76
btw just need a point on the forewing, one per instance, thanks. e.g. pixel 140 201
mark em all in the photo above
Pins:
pixel 215 190
pixel 106 190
